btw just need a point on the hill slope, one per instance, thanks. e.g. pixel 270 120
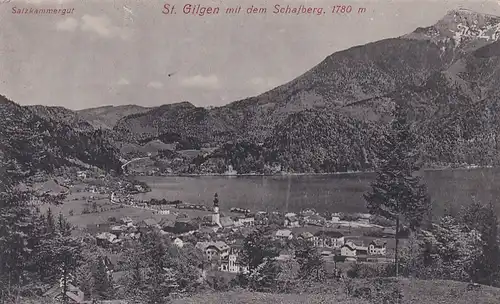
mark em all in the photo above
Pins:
pixel 33 143
pixel 448 74
pixel 106 117
pixel 414 291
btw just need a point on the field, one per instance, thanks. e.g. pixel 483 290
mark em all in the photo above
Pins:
pixel 414 291
pixel 76 202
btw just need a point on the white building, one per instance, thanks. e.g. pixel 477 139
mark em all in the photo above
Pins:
pixel 377 247
pixel 178 242
pixel 284 234
pixel 348 250
pixel 232 264
pixel 214 250
pixel 328 239
pixel 246 222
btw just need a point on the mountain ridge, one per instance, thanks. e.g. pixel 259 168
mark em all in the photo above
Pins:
pixel 443 73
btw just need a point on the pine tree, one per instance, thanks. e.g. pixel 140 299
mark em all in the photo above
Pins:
pixel 311 264
pixel 16 231
pixel 51 226
pixel 103 282
pixel 483 219
pixel 398 194
pixel 259 253
pixel 63 226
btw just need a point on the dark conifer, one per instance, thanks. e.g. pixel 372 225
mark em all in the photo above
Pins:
pixel 397 193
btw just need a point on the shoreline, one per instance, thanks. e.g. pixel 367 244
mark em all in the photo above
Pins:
pixel 309 173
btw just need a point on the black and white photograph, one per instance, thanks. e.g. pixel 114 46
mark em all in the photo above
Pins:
pixel 240 152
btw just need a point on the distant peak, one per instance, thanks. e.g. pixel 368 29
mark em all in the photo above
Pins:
pixel 467 17
pixel 460 26
pixel 466 11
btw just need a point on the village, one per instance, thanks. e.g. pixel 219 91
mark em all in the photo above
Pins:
pixel 107 212
pixel 220 232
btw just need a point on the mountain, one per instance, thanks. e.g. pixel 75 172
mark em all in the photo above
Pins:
pixel 464 29
pixel 107 116
pixel 63 115
pixel 174 122
pixel 31 143
pixel 329 119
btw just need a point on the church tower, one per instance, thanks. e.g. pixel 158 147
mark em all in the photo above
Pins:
pixel 216 215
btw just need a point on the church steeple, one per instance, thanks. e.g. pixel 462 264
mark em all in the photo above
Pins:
pixel 216 200
pixel 216 215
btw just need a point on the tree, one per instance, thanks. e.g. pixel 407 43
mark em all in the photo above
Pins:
pixel 103 282
pixel 483 219
pixel 311 264
pixel 17 225
pixel 51 223
pixel 161 280
pixel 64 254
pixel 63 226
pixel 397 194
pixel 259 253
pixel 449 251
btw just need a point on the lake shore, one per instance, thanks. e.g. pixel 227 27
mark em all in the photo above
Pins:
pixel 429 169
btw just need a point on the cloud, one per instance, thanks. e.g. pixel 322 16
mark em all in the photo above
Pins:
pixel 264 82
pixel 155 85
pixel 210 82
pixel 123 81
pixel 69 24
pixel 102 26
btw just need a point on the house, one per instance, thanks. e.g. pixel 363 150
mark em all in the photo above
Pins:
pixel 81 174
pixel 348 250
pixel 306 236
pixel 106 238
pixel 226 222
pixel 315 220
pixel 214 250
pixel 118 230
pixel 328 239
pixel 149 223
pixel 284 234
pixel 231 262
pixel 291 220
pixel 178 242
pixel 377 247
pixel 74 294
pixel 244 221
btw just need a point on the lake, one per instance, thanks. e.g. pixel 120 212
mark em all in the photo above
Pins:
pixel 449 190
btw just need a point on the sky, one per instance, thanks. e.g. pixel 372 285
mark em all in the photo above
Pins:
pixel 119 52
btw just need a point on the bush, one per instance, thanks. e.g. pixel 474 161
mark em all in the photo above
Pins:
pixel 365 270
pixel 378 233
pixel 349 217
pixel 378 291
pixel 382 221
